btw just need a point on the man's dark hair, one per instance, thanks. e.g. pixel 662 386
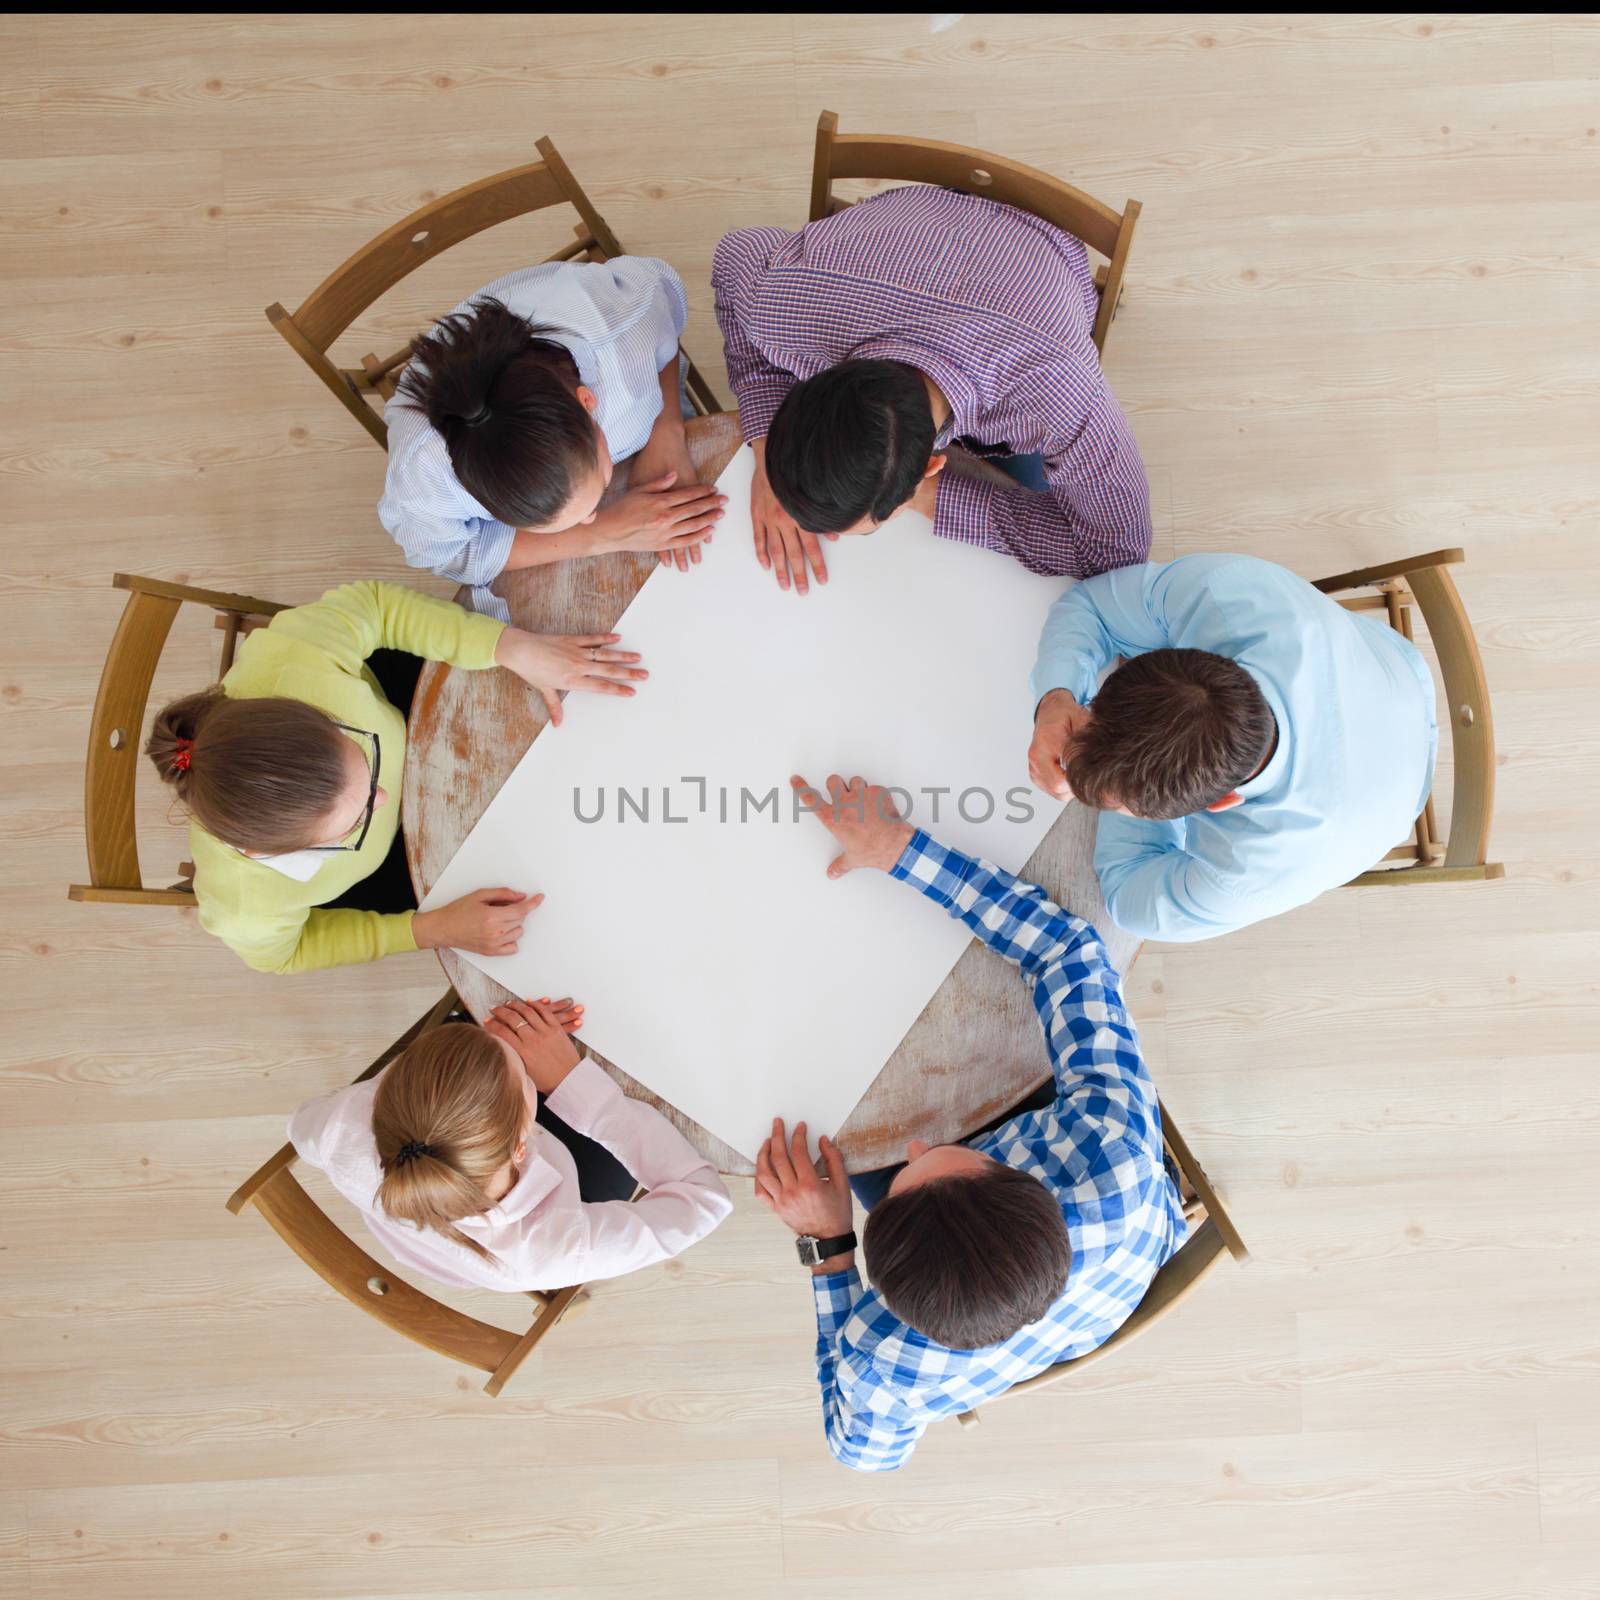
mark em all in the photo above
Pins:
pixel 968 1260
pixel 506 402
pixel 1173 732
pixel 851 442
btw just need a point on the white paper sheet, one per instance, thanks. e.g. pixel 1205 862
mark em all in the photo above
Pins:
pixel 718 963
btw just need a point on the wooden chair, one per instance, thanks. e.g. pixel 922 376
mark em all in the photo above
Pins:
pixel 954 166
pixel 1211 1233
pixel 1423 582
pixel 118 721
pixel 376 268
pixel 297 1219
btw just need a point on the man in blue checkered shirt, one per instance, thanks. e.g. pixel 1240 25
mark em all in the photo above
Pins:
pixel 995 1259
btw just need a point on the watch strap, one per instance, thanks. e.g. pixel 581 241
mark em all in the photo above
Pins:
pixel 814 1251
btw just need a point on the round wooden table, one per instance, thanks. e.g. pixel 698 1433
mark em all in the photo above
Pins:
pixel 976 1049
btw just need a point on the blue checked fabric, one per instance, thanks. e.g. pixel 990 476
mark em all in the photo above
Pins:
pixel 1098 1148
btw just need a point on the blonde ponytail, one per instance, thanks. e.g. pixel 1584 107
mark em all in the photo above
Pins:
pixel 447 1116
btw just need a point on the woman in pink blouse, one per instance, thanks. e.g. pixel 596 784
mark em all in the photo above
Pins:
pixel 497 1157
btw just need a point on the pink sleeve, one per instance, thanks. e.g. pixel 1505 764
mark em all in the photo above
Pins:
pixel 684 1200
pixel 589 1100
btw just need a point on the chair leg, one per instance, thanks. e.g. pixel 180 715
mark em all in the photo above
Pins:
pixel 1360 577
pixel 258 1180
pixel 821 167
pixel 230 641
pixel 1420 874
pixel 441 1008
pixel 1203 1188
pixel 337 384
pixel 89 893
pixel 555 1308
pixel 700 391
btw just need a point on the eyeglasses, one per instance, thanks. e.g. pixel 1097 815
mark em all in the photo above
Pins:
pixel 376 760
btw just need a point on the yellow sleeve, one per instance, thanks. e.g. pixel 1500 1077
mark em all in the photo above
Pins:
pixel 310 940
pixel 348 623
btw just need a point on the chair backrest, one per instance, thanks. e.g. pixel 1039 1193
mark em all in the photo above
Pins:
pixel 430 230
pixel 1209 1240
pixel 1425 582
pixel 115 727
pixel 1201 1253
pixel 345 1266
pixel 296 1218
pixel 1194 1174
pixel 953 166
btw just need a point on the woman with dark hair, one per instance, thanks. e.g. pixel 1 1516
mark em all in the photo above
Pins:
pixel 290 770
pixel 514 410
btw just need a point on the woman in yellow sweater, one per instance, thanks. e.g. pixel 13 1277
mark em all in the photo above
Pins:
pixel 291 768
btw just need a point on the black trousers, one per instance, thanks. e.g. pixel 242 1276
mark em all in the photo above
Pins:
pixel 388 888
pixel 600 1175
pixel 870 1187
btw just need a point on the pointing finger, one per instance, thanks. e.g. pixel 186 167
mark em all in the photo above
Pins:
pixel 809 798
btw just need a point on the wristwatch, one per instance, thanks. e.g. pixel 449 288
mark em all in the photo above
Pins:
pixel 814 1251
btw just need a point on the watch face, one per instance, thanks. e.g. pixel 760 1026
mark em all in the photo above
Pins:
pixel 806 1247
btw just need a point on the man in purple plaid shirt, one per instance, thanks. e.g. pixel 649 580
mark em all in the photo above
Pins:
pixel 862 346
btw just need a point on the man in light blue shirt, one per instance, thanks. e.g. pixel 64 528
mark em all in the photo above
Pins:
pixel 1259 744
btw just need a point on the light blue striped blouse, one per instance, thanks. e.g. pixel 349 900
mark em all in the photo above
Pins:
pixel 621 320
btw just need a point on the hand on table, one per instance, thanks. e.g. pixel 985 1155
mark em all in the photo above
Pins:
pixel 552 661
pixel 1057 723
pixel 781 543
pixel 788 1184
pixel 862 817
pixel 667 513
pixel 488 922
pixel 664 464
pixel 537 1030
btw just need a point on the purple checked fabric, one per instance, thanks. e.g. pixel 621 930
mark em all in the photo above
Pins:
pixel 992 303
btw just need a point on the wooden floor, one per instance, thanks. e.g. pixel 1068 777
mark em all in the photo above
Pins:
pixel 1360 322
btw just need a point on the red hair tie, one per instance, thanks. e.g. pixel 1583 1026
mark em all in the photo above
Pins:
pixel 180 762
